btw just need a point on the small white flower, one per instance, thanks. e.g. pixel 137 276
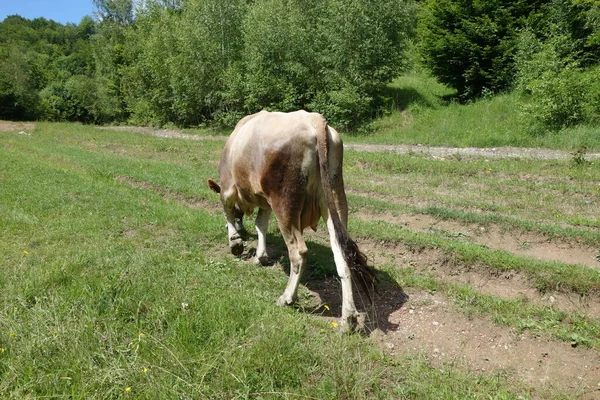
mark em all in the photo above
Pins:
pixel 184 305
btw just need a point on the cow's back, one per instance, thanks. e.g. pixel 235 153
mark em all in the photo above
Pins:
pixel 272 157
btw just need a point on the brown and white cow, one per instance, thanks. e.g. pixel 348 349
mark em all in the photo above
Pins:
pixel 291 163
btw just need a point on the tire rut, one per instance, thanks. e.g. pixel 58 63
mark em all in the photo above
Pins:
pixel 421 323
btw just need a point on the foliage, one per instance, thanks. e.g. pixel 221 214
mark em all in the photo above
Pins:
pixel 559 92
pixel 36 55
pixel 472 45
pixel 469 45
pixel 178 63
pixel 79 98
pixel 191 62
pixel 218 61
pixel 198 62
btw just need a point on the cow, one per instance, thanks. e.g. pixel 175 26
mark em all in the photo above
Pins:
pixel 291 164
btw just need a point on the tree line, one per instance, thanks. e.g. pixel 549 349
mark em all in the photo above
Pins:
pixel 197 62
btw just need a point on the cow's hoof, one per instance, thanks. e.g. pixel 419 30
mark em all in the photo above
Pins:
pixel 237 247
pixel 283 301
pixel 353 323
pixel 262 260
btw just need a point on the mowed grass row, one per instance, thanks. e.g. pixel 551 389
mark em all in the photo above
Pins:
pixel 551 198
pixel 529 194
pixel 111 290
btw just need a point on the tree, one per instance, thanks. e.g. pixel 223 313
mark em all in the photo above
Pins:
pixel 329 56
pixel 470 44
pixel 119 12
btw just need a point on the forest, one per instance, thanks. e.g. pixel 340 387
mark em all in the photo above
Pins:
pixel 191 63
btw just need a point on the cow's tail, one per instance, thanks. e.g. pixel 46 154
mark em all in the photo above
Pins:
pixel 355 259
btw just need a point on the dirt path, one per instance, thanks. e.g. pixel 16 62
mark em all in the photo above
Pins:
pixel 439 152
pixel 427 324
pixel 436 152
pixel 520 243
pixel 445 152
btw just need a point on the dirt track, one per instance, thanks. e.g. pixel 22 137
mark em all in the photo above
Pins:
pixel 438 152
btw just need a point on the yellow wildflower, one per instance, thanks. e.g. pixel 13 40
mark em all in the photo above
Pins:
pixel 144 370
pixel 127 389
pixel 326 307
pixel 334 324
pixel 25 252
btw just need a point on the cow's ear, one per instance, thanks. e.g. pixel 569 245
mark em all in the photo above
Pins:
pixel 214 186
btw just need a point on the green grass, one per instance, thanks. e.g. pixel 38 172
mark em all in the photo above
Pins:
pixel 422 112
pixel 115 280
pixel 111 287
pixel 548 196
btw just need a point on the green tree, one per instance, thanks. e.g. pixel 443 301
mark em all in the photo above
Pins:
pixel 557 70
pixel 35 54
pixel 470 44
pixel 180 60
pixel 328 56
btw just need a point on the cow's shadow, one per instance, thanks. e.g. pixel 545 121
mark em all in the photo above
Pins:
pixel 321 279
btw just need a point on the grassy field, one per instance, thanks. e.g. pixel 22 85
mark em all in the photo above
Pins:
pixel 116 280
pixel 423 112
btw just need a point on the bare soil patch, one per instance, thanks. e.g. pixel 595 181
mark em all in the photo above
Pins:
pixel 418 322
pixel 525 244
pixel 427 324
pixel 448 152
pixel 8 126
pixel 437 152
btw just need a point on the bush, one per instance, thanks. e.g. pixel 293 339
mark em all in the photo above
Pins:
pixel 80 99
pixel 329 56
pixel 558 92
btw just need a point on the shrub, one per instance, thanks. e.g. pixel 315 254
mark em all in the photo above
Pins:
pixel 329 56
pixel 558 92
pixel 80 99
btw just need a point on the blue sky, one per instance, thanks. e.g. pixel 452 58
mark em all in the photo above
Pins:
pixel 62 11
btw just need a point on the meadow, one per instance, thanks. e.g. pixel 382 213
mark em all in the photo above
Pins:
pixel 116 280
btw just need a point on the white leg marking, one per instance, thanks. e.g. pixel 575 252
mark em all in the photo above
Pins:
pixel 262 226
pixel 349 312
pixel 236 244
pixel 297 252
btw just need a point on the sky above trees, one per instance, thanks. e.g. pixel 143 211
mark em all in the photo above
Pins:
pixel 62 11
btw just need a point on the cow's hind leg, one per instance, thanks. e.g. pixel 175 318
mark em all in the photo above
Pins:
pixel 262 226
pixel 350 315
pixel 297 252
